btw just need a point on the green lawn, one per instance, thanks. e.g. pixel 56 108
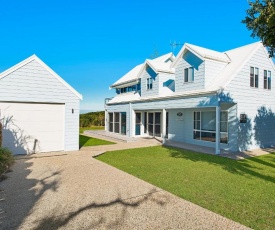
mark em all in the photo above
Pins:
pixel 90 141
pixel 242 190
pixel 81 130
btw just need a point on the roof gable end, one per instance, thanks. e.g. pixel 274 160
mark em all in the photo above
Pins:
pixel 35 58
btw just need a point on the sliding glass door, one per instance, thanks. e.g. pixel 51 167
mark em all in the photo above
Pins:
pixel 154 124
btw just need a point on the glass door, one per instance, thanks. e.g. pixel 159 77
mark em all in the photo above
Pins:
pixel 157 124
pixel 151 124
pixel 138 123
pixel 111 120
pixel 123 123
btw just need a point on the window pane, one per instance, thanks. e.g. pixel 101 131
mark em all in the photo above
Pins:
pixel 186 75
pixel 198 115
pixel 191 74
pixel 116 127
pixel 150 130
pixel 252 81
pixel 224 138
pixel 123 123
pixel 208 136
pixel 157 130
pixel 252 76
pixel 269 79
pixel 197 125
pixel 208 121
pixel 138 116
pixel 150 118
pixel 111 117
pixel 145 122
pixel 197 135
pixel 157 118
pixel 256 77
pixel 116 117
pixel 265 83
pixel 251 71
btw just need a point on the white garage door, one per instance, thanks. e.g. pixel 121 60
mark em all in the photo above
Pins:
pixel 32 127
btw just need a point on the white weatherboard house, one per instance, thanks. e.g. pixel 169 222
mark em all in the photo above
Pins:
pixel 39 111
pixel 224 100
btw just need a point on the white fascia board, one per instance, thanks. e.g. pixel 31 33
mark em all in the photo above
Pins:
pixel 32 58
pixel 209 92
pixel 180 54
pixel 270 59
pixel 124 84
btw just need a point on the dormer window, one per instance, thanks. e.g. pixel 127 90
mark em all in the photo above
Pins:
pixel 149 83
pixel 254 77
pixel 189 74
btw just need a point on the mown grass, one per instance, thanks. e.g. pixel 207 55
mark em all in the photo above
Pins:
pixel 6 160
pixel 242 190
pixel 81 130
pixel 90 141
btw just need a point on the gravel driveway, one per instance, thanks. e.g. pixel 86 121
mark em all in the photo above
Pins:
pixel 75 191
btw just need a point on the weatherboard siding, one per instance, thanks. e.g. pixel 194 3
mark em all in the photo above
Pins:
pixel 251 99
pixel 212 69
pixel 33 83
pixel 181 128
pixel 190 60
pixel 163 78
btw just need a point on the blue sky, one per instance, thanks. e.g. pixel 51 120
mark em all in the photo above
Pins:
pixel 91 44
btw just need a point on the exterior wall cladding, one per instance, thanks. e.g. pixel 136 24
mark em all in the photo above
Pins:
pixel 237 98
pixel 33 83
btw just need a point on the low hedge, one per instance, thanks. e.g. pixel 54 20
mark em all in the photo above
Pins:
pixel 6 160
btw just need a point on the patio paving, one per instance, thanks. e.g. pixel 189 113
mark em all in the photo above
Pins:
pixel 73 190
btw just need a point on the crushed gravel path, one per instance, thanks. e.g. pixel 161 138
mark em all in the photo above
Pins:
pixel 72 190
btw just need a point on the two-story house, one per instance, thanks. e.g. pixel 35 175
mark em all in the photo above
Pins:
pixel 216 99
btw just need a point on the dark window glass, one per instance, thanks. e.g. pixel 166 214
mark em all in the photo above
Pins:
pixel 256 77
pixel 252 76
pixel 208 136
pixel 269 79
pixel 157 118
pixel 186 75
pixel 265 79
pixel 145 122
pixel 123 123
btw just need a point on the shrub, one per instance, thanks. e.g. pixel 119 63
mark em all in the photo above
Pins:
pixel 6 160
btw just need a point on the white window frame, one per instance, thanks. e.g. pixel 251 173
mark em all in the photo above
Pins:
pixel 209 131
pixel 149 82
pixel 189 74
pixel 255 76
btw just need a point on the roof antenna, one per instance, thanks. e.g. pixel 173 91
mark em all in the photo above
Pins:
pixel 174 44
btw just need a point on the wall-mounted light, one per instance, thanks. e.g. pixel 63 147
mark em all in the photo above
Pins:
pixel 72 110
pixel 243 118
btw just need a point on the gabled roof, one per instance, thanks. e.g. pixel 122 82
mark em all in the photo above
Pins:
pixel 160 64
pixel 35 58
pixel 131 76
pixel 202 53
pixel 239 57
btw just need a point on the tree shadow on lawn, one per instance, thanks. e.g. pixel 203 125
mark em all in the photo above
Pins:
pixel 241 167
pixel 96 221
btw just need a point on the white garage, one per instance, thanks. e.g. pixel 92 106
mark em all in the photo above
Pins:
pixel 39 111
